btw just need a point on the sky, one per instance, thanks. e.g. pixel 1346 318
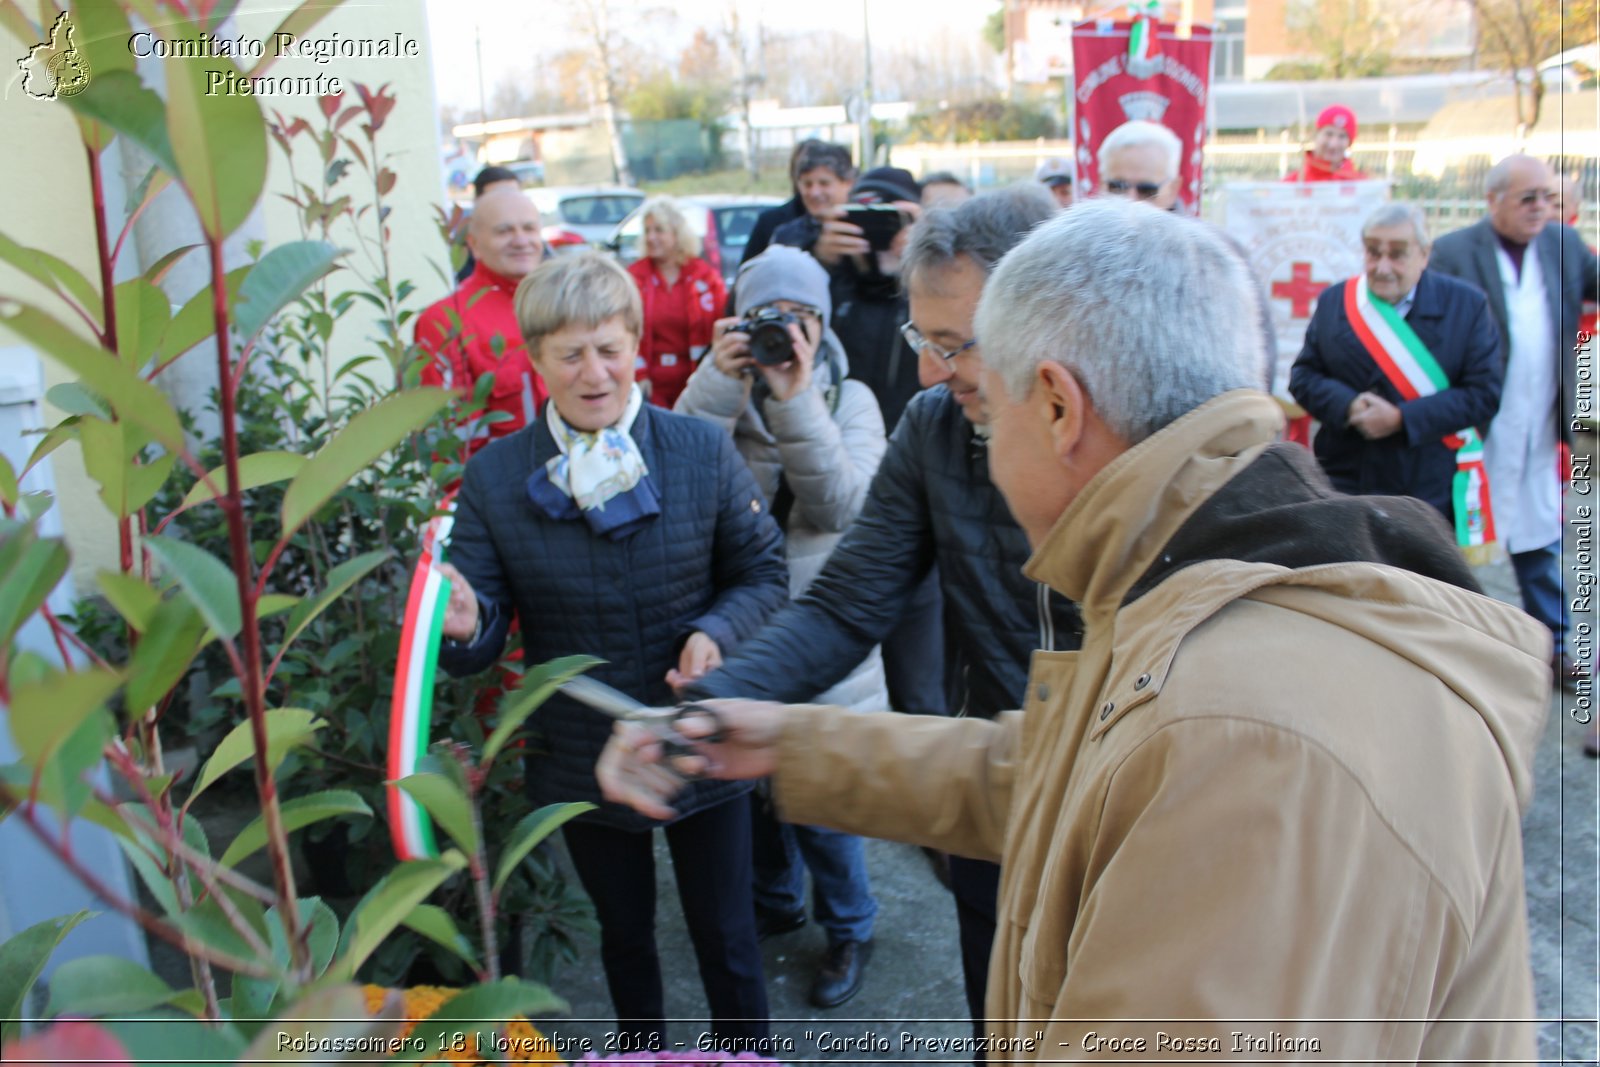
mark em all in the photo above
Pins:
pixel 518 32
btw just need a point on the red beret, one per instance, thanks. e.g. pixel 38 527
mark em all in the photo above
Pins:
pixel 1340 116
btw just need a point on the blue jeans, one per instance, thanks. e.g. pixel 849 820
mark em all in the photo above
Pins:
pixel 1539 578
pixel 842 900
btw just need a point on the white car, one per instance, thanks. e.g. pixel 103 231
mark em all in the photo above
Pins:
pixel 575 217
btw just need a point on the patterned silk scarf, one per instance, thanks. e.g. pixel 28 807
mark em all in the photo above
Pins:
pixel 598 475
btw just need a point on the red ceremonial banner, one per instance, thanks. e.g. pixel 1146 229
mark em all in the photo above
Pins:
pixel 1166 80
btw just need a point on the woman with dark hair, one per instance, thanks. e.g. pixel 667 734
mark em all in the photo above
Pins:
pixel 609 527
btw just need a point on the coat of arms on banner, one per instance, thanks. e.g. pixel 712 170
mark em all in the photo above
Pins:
pixel 1299 239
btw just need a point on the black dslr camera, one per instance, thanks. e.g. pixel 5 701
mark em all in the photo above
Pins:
pixel 768 328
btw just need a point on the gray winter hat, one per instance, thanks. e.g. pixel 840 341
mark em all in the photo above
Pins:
pixel 783 273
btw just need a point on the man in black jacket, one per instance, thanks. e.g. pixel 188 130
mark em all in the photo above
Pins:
pixel 1380 435
pixel 932 503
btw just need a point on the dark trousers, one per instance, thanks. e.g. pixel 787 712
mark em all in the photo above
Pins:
pixel 1539 578
pixel 976 887
pixel 711 859
pixel 914 656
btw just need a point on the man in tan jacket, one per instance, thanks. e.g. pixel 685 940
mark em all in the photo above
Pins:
pixel 1271 808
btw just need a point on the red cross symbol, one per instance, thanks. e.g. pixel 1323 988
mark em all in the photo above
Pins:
pixel 1299 290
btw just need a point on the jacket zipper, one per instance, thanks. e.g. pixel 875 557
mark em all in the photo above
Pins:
pixel 1047 623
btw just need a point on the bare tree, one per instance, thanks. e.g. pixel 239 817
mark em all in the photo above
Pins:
pixel 592 20
pixel 1515 36
pixel 1350 38
pixel 747 75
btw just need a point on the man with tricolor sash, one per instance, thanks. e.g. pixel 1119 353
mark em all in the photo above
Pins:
pixel 1401 366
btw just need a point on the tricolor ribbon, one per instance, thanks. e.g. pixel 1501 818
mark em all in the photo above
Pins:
pixel 1412 370
pixel 1142 34
pixel 411 711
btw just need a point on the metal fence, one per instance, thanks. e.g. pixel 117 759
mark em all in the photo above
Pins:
pixel 1445 178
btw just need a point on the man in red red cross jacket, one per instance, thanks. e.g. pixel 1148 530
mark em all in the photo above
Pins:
pixel 473 331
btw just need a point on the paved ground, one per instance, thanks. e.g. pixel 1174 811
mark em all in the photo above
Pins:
pixel 915 973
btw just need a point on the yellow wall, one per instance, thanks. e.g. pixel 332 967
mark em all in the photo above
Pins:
pixel 46 193
pixel 45 190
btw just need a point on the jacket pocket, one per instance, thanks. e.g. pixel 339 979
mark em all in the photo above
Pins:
pixel 1042 968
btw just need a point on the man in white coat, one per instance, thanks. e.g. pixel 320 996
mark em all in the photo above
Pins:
pixel 1536 273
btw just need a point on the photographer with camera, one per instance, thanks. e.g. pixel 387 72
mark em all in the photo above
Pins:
pixel 776 380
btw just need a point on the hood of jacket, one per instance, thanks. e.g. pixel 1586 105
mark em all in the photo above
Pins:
pixel 1213 491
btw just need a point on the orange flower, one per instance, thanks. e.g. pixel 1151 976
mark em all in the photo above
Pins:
pixel 527 1045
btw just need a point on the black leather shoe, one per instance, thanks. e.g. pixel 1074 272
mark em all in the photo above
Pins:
pixel 1564 672
pixel 773 923
pixel 841 973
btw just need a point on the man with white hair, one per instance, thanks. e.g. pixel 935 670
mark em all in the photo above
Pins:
pixel 1139 160
pixel 1401 365
pixel 1272 804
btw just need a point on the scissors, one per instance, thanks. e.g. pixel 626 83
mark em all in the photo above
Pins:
pixel 659 721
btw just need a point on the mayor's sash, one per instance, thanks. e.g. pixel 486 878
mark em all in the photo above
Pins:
pixel 1397 350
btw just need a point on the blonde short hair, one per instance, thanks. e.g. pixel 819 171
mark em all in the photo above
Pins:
pixel 666 211
pixel 586 288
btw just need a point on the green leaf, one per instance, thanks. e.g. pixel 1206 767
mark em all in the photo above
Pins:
pixel 530 830
pixel 209 585
pixel 218 141
pixel 447 804
pixel 131 397
pixel 340 579
pixel 61 782
pixel 255 470
pixel 169 644
pixel 296 23
pixel 435 924
pixel 386 906
pixel 207 923
pixel 169 1038
pixel 142 315
pixel 121 102
pixel 30 567
pixel 471 1011
pixel 9 489
pixel 196 320
pixel 296 813
pixel 157 271
pixel 45 713
pixel 286 729
pixel 145 481
pixel 58 435
pixel 135 601
pixel 106 459
pixel 535 689
pixel 363 439
pixel 74 399
pixel 321 928
pixel 104 985
pixel 22 960
pixel 272 604
pixel 280 276
pixel 52 272
pixel 332 1017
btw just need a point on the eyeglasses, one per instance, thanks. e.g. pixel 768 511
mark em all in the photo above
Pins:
pixel 1143 190
pixel 805 311
pixel 1536 196
pixel 920 344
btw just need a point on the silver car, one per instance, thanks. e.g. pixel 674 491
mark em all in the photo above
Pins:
pixel 578 216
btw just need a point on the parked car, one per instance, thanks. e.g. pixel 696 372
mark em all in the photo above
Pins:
pixel 723 222
pixel 577 216
pixel 528 171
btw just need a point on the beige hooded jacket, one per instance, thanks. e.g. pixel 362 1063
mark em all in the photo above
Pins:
pixel 1276 794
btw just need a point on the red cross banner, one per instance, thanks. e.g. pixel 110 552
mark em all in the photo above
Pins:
pixel 1299 238
pixel 1142 69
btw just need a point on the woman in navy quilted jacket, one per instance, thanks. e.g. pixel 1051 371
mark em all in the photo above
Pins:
pixel 610 527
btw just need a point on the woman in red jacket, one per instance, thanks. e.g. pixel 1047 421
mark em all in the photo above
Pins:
pixel 1326 159
pixel 683 296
